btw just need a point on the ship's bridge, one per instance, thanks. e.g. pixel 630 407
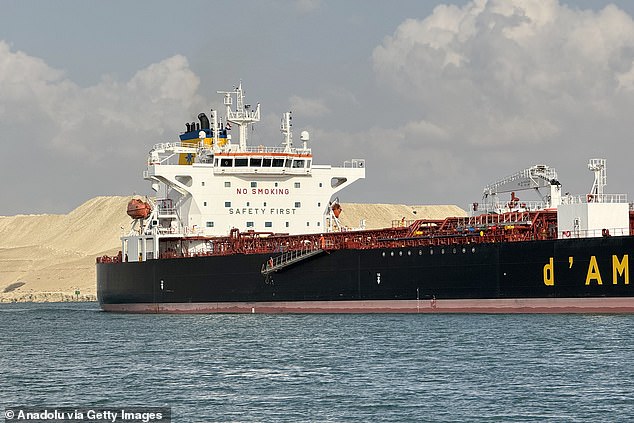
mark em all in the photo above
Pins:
pixel 264 160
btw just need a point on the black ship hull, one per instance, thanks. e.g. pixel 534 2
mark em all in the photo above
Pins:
pixel 576 275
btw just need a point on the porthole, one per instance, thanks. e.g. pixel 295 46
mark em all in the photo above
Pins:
pixel 464 250
pixel 391 253
pixel 409 253
pixel 383 253
pixel 400 253
pixel 473 249
pixel 442 251
pixel 454 251
pixel 431 252
pixel 420 252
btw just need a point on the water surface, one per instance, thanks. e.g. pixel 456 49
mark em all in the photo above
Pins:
pixel 393 368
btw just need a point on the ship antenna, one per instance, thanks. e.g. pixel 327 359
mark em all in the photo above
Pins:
pixel 242 116
pixel 600 179
pixel 285 128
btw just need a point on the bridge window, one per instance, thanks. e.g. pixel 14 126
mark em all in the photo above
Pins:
pixel 255 162
pixel 278 162
pixel 288 162
pixel 297 164
pixel 242 162
pixel 266 162
pixel 226 162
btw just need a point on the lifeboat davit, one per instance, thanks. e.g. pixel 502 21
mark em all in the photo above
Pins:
pixel 336 209
pixel 139 209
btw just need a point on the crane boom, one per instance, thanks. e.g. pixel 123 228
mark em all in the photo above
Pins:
pixel 533 178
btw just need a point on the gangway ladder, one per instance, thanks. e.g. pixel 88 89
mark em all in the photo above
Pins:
pixel 289 258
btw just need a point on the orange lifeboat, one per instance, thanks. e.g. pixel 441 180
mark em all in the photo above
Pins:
pixel 138 209
pixel 336 209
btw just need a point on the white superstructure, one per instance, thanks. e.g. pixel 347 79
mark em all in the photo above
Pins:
pixel 596 214
pixel 207 184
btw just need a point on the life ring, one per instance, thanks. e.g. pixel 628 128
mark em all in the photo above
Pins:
pixel 566 234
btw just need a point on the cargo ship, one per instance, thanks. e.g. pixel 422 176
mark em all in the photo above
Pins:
pixel 240 228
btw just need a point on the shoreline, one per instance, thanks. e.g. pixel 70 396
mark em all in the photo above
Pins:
pixel 47 297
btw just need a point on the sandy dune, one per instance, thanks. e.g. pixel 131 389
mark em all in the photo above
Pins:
pixel 51 257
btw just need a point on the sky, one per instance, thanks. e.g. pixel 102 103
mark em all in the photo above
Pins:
pixel 439 97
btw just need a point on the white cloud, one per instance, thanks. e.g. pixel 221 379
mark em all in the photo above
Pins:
pixel 307 6
pixel 505 71
pixel 308 107
pixel 107 119
pixel 80 142
pixel 498 85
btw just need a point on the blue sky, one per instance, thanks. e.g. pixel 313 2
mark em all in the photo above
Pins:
pixel 440 98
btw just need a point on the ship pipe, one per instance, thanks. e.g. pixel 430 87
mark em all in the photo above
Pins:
pixel 204 121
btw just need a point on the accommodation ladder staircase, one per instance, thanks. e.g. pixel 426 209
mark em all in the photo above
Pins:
pixel 289 258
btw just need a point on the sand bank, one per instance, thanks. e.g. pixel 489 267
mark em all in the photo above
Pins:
pixel 52 257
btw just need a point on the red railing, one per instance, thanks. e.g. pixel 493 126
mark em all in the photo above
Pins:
pixel 507 227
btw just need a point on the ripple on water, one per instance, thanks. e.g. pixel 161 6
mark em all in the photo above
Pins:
pixel 321 367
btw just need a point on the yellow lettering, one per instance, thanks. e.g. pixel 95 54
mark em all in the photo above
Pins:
pixel 593 271
pixel 549 273
pixel 620 268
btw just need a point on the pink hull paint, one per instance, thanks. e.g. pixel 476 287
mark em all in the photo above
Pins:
pixel 518 305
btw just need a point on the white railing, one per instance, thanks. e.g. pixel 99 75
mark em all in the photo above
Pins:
pixel 593 233
pixel 594 198
pixel 354 163
pixel 504 207
pixel 278 150
pixel 262 170
pixel 166 146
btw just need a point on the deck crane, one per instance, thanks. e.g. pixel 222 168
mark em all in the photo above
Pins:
pixel 533 178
